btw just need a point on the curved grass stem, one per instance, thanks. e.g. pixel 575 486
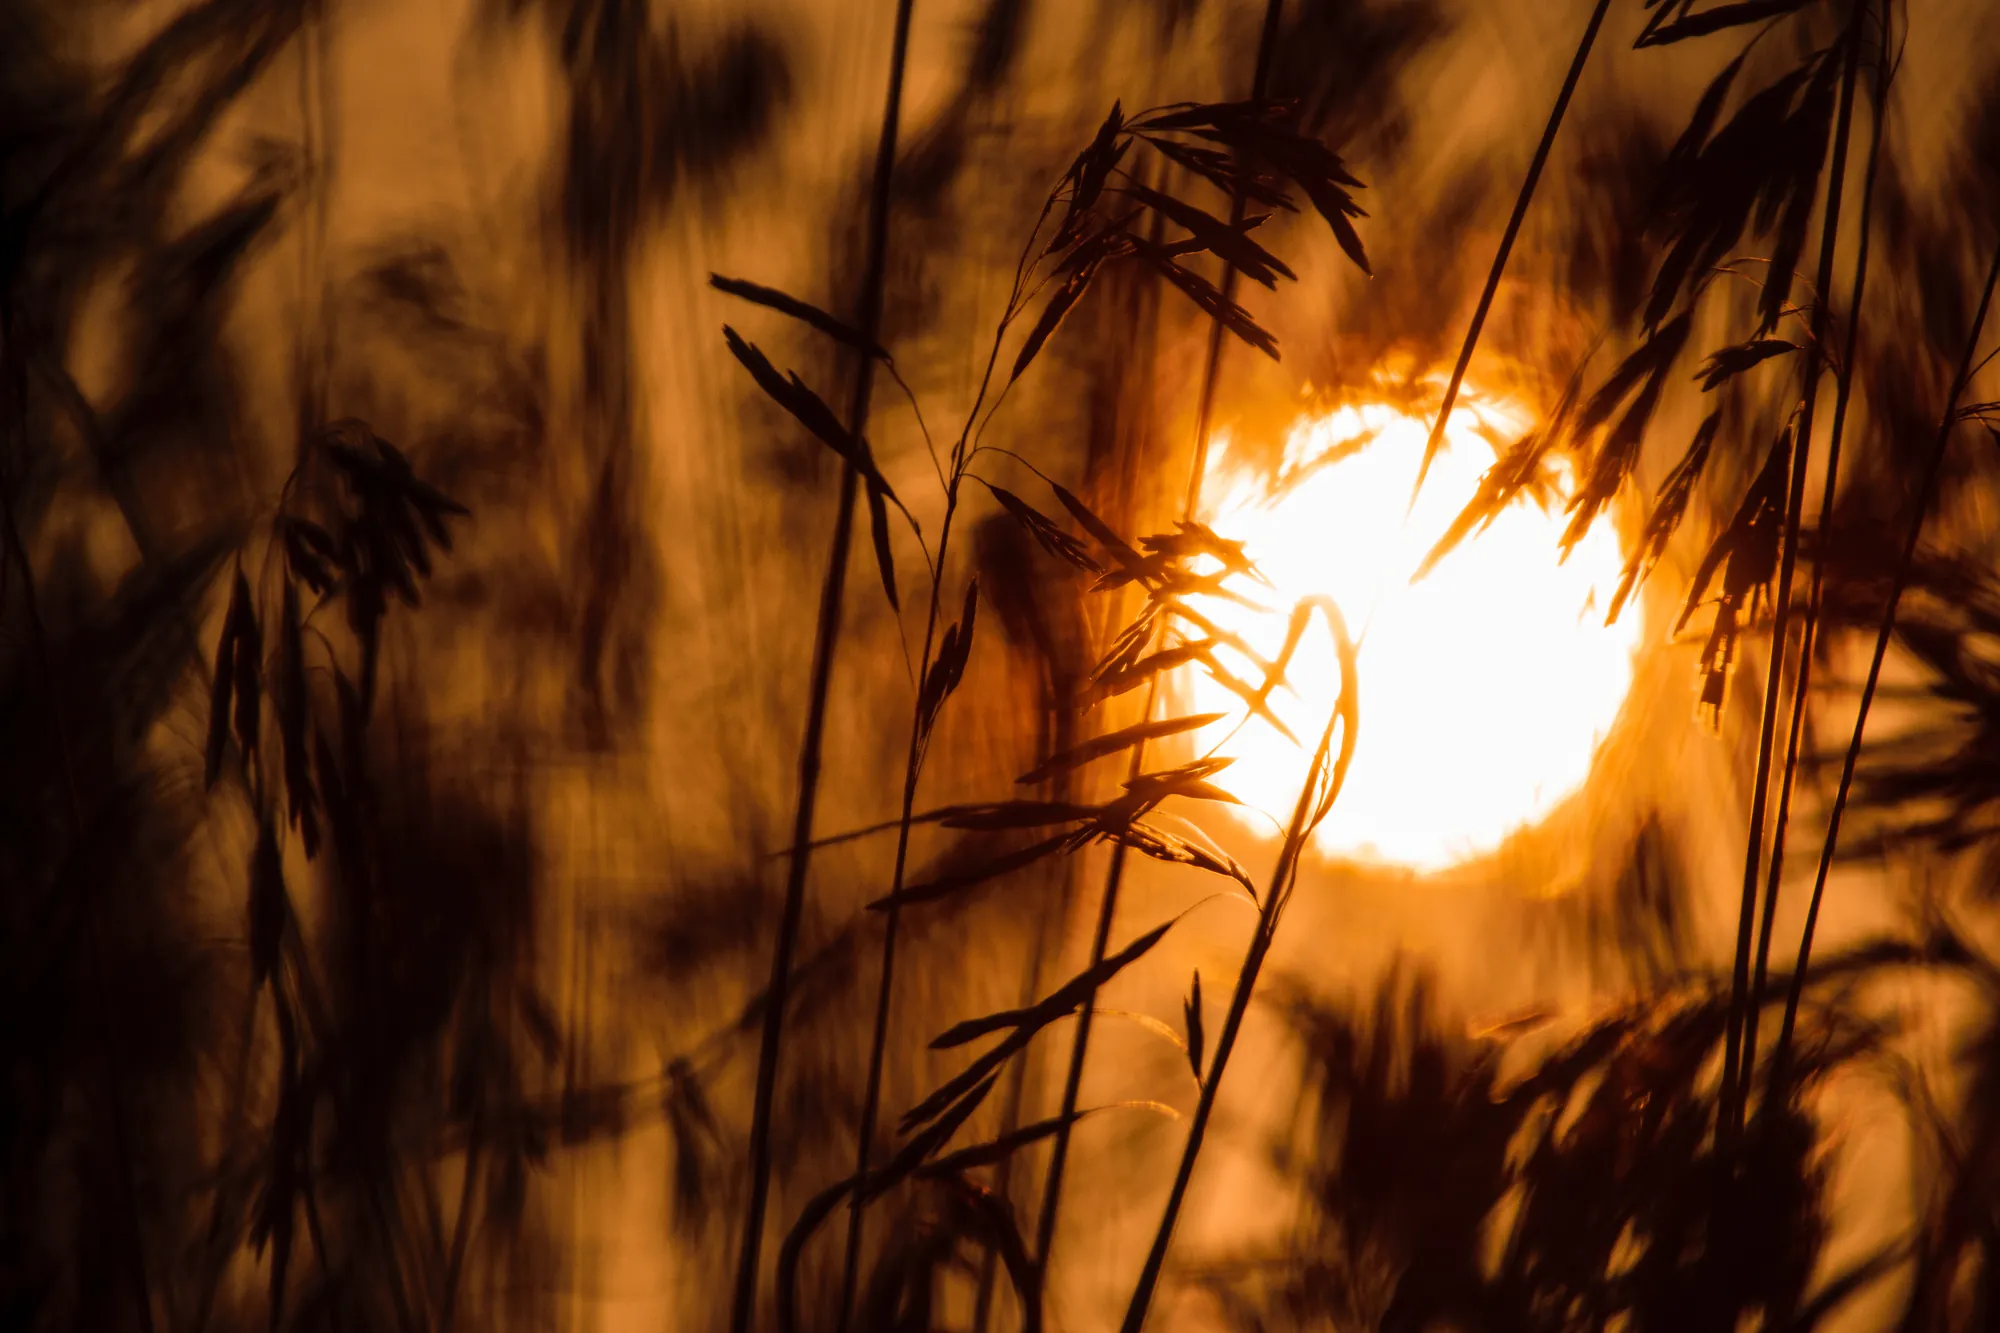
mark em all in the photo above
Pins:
pixel 1275 900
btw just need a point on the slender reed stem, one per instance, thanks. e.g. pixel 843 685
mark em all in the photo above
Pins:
pixel 1057 739
pixel 1275 899
pixel 1521 202
pixel 1901 580
pixel 1808 635
pixel 1114 875
pixel 961 456
pixel 1740 1055
pixel 826 633
pixel 878 1045
pixel 1100 943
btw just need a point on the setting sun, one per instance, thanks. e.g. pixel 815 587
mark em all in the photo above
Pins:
pixel 1485 686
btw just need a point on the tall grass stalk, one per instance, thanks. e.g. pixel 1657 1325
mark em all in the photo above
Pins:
pixel 1946 421
pixel 1114 874
pixel 1316 797
pixel 1740 1049
pixel 878 1044
pixel 920 731
pixel 1808 634
pixel 1521 201
pixel 825 635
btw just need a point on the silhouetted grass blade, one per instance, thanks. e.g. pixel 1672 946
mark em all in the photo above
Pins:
pixel 807 407
pixel 805 312
pixel 949 668
pixel 310 553
pixel 1230 244
pixel 1120 550
pixel 1732 361
pixel 1225 174
pixel 1148 840
pixel 994 1150
pixel 223 683
pixel 878 536
pixel 1167 659
pixel 1746 553
pixel 291 701
pixel 945 885
pixel 1206 296
pixel 1648 367
pixel 249 675
pixel 1191 1012
pixel 1087 177
pixel 987 1219
pixel 267 904
pixel 1009 815
pixel 1059 1002
pixel 1669 506
pixel 1719 19
pixel 1114 742
pixel 1074 284
pixel 1045 532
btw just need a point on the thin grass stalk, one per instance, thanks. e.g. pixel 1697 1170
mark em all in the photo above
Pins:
pixel 1100 944
pixel 1882 635
pixel 1808 635
pixel 825 635
pixel 1058 736
pixel 1275 900
pixel 317 123
pixel 1031 988
pixel 1114 874
pixel 1740 1052
pixel 920 732
pixel 1521 202
pixel 878 1045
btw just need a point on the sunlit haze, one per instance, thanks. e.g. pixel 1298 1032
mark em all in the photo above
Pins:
pixel 1485 687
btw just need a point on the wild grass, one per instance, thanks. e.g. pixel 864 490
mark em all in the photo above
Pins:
pixel 288 1041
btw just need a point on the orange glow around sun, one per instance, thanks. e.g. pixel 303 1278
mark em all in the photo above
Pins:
pixel 1484 688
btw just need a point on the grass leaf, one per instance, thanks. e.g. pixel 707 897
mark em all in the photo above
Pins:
pixel 1191 1009
pixel 222 685
pixel 1732 361
pixel 946 885
pixel 1719 19
pixel 1669 506
pixel 249 643
pixel 803 311
pixel 878 535
pixel 1060 303
pixel 1230 244
pixel 1113 742
pixel 1044 530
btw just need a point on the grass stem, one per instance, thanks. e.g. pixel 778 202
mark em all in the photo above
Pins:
pixel 825 635
pixel 1946 421
pixel 1521 202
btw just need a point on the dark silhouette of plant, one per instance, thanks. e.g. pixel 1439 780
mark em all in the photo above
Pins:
pixel 1098 203
pixel 284 1047
pixel 1572 1194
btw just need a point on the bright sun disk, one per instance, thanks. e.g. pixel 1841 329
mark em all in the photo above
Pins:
pixel 1484 688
